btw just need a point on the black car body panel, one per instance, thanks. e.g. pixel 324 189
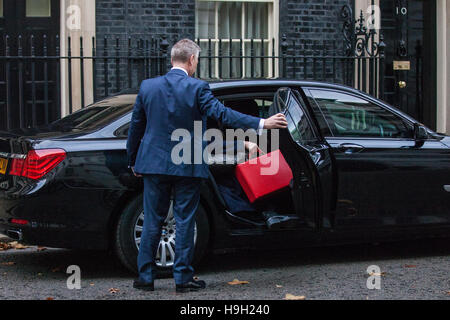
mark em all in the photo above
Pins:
pixel 76 205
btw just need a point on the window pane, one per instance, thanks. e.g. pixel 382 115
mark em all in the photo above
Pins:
pixel 257 18
pixel 229 14
pixel 205 18
pixel 298 123
pixel 207 67
pixel 230 17
pixel 223 19
pixel 350 116
pixel 232 70
pixel 258 68
pixel 122 132
pixel 38 8
pixel 1 8
pixel 97 115
pixel 283 97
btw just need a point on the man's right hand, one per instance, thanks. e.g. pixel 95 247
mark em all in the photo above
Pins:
pixel 277 121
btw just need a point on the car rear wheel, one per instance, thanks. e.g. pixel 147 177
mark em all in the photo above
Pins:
pixel 128 236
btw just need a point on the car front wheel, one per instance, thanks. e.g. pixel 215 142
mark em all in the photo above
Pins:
pixel 128 233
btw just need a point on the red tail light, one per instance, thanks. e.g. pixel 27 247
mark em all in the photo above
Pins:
pixel 37 163
pixel 19 221
pixel 17 167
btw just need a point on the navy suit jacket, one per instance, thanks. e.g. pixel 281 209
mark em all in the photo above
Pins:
pixel 169 102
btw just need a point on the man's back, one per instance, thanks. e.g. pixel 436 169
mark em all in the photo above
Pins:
pixel 170 102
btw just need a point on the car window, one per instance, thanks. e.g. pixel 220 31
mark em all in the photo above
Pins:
pixel 251 105
pixel 348 115
pixel 122 132
pixel 97 115
pixel 298 123
pixel 255 104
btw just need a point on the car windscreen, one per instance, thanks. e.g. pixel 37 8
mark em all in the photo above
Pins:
pixel 97 115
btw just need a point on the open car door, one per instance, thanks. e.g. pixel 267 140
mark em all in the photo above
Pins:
pixel 308 156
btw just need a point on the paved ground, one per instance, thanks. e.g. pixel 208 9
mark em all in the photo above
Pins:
pixel 413 270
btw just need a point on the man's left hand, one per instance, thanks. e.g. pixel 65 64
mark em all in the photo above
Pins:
pixel 137 175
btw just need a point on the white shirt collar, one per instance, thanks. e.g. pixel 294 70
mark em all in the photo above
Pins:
pixel 179 68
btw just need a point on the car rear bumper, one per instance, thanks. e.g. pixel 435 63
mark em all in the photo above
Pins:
pixel 70 239
pixel 59 216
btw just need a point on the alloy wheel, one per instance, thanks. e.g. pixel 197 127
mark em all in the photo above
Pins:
pixel 165 256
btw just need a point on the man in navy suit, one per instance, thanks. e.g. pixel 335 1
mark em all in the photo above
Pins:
pixel 164 104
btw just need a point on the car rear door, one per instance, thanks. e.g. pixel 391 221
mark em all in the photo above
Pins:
pixel 309 158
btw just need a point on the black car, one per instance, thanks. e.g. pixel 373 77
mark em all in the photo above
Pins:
pixel 363 171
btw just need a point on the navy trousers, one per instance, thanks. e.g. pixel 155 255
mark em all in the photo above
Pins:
pixel 157 194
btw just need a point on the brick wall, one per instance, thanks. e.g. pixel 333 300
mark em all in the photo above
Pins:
pixel 311 20
pixel 310 26
pixel 145 17
pixel 138 19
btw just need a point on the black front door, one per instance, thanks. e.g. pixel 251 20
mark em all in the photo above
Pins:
pixel 29 96
pixel 409 29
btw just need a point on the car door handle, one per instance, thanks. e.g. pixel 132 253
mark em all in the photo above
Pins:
pixel 351 147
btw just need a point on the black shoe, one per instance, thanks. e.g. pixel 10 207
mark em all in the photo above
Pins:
pixel 143 286
pixel 193 285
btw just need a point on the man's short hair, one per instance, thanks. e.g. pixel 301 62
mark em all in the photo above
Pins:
pixel 183 50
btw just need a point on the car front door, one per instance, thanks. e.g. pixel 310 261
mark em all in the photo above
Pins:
pixel 308 156
pixel 385 176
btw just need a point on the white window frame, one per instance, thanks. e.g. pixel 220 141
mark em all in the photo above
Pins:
pixel 273 31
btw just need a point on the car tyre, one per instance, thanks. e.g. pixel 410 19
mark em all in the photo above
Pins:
pixel 124 238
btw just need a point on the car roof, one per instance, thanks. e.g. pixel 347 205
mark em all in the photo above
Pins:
pixel 238 83
pixel 275 82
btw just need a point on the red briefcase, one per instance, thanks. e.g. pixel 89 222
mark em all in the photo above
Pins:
pixel 264 175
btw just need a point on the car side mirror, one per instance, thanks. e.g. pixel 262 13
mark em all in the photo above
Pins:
pixel 420 132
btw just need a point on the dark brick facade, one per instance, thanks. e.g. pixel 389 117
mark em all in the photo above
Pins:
pixel 308 22
pixel 144 18
pixel 309 27
pixel 131 20
pixel 311 20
